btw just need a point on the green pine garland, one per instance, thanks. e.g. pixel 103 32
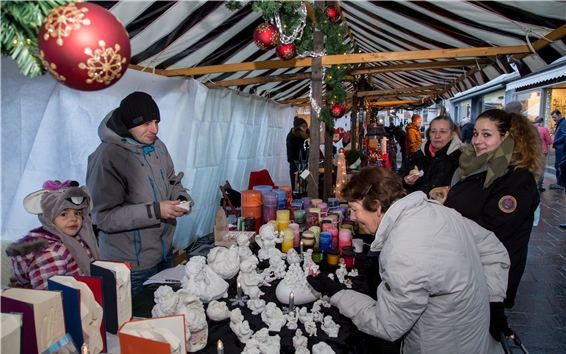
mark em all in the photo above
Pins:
pixel 335 35
pixel 20 23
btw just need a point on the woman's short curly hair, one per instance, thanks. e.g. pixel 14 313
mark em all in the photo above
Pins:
pixel 374 187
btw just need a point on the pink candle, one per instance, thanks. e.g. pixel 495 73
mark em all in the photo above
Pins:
pixel 334 232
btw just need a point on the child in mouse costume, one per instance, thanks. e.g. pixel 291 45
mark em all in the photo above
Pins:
pixel 65 243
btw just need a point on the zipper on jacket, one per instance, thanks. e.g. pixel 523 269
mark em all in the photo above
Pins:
pixel 136 250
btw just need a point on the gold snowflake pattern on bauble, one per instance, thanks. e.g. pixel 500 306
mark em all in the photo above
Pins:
pixel 51 67
pixel 104 65
pixel 63 20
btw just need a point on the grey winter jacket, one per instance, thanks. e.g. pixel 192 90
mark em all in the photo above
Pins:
pixel 127 181
pixel 439 272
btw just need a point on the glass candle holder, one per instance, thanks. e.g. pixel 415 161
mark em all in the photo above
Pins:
pixel 349 258
pixel 308 239
pixel 332 257
pixel 317 254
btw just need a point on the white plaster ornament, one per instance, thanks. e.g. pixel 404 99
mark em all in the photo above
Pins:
pixel 293 256
pixel 202 281
pixel 277 268
pixel 268 344
pixel 239 326
pixel 249 277
pixel 310 328
pixel 195 320
pixel 295 281
pixel 309 264
pixel 353 273
pixel 267 240
pixel 292 320
pixel 273 317
pixel 255 304
pixel 244 250
pixel 322 348
pixel 304 315
pixel 224 261
pixel 217 311
pixel 299 341
pixel 341 273
pixel 252 347
pixel 330 327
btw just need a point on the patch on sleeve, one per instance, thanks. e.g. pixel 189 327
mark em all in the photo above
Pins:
pixel 508 204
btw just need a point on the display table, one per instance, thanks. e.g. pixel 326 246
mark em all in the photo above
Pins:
pixel 349 340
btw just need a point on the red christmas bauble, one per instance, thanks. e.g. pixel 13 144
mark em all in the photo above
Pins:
pixel 266 36
pixel 332 13
pixel 84 46
pixel 337 110
pixel 286 51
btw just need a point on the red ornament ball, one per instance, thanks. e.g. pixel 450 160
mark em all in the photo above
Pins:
pixel 332 13
pixel 337 110
pixel 266 36
pixel 286 51
pixel 84 46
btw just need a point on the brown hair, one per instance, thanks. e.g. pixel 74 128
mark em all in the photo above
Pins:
pixel 374 187
pixel 453 127
pixel 527 153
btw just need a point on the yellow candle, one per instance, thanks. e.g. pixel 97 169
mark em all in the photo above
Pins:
pixel 316 201
pixel 288 240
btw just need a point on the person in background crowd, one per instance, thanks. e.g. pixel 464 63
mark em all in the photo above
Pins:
pixel 437 158
pixel 558 145
pixel 65 243
pixel 296 151
pixel 546 141
pixel 496 186
pixel 136 194
pixel 391 151
pixel 514 107
pixel 400 136
pixel 467 130
pixel 413 139
pixel 439 271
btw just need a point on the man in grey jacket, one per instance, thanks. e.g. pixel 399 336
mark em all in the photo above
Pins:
pixel 136 194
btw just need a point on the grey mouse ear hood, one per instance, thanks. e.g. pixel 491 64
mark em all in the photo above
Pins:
pixel 49 202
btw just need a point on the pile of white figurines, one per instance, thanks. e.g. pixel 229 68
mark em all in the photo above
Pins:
pixel 342 273
pixel 205 282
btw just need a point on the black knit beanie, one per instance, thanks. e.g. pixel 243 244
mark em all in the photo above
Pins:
pixel 298 122
pixel 138 108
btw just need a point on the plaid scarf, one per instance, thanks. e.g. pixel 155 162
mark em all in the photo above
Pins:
pixel 497 161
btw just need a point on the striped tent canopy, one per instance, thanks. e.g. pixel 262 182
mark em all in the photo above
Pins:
pixel 406 51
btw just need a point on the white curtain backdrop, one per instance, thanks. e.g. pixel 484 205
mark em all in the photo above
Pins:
pixel 213 135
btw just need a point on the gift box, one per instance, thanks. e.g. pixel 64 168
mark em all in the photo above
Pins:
pixel 11 333
pixel 153 335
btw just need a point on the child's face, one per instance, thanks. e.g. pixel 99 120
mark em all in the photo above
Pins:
pixel 69 222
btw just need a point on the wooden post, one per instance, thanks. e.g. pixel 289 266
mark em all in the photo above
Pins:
pixel 328 163
pixel 318 43
pixel 354 121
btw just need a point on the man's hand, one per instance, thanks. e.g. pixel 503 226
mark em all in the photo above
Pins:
pixel 170 210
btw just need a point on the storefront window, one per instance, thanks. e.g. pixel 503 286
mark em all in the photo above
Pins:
pixel 555 99
pixel 531 103
pixel 493 100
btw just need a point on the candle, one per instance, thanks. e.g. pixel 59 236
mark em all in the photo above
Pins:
pixel 301 247
pixel 384 145
pixel 220 347
pixel 239 288
pixel 291 301
pixel 84 348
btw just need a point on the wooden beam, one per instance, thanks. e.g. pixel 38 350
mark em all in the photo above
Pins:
pixel 147 69
pixel 403 89
pixel 407 94
pixel 260 80
pixel 541 43
pixel 329 60
pixel 343 17
pixel 419 66
pixel 396 103
pixel 316 85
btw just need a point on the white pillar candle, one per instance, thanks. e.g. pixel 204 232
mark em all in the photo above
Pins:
pixel 220 347
pixel 291 301
pixel 239 289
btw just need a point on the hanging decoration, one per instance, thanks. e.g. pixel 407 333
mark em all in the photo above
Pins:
pixel 341 174
pixel 267 36
pixel 84 46
pixel 286 51
pixel 337 110
pixel 301 12
pixel 332 13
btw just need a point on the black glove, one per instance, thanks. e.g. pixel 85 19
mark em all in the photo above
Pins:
pixel 498 321
pixel 324 285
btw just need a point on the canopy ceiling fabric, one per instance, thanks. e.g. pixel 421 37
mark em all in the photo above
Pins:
pixel 182 34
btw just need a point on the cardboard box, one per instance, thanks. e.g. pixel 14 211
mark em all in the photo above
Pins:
pixel 11 333
pixel 132 343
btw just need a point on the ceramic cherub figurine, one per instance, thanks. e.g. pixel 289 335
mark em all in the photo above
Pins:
pixel 267 239
pixel 224 261
pixel 277 267
pixel 256 304
pixel 292 320
pixel 244 250
pixel 166 302
pixel 322 348
pixel 310 327
pixel 195 320
pixel 273 317
pixel 268 344
pixel 217 310
pixel 293 256
pixel 309 264
pixel 341 273
pixel 239 326
pixel 202 281
pixel 248 276
pixel 304 315
pixel 252 347
pixel 330 327
pixel 299 341
pixel 317 315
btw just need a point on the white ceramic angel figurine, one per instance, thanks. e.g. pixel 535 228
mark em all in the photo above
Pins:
pixel 267 239
pixel 325 301
pixel 256 304
pixel 195 320
pixel 252 347
pixel 293 256
pixel 353 273
pixel 217 310
pixel 292 320
pixel 244 250
pixel 239 326
pixel 310 327
pixel 309 264
pixel 341 273
pixel 317 316
pixel 202 281
pixel 224 261
pixel 166 302
pixel 248 276
pixel 322 348
pixel 299 340
pixel 273 317
pixel 304 315
pixel 330 327
pixel 268 344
